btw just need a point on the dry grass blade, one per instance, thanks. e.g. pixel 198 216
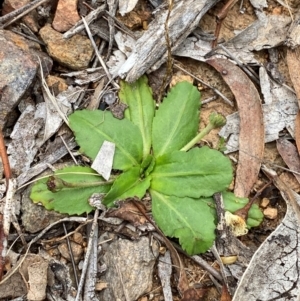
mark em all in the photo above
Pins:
pixel 51 97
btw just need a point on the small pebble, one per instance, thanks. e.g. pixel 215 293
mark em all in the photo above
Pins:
pixel 77 251
pixel 264 203
pixel 270 213
pixel 77 237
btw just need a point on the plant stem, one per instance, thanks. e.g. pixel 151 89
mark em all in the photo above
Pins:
pixel 86 184
pixel 55 184
pixel 196 139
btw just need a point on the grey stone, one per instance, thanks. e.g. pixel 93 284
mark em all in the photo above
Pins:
pixel 129 269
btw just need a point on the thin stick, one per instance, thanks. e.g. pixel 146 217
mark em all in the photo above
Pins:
pixel 98 54
pixel 71 254
pixel 68 149
pixel 246 69
pixel 41 234
pixel 87 255
pixel 20 12
pixel 4 157
pixel 206 84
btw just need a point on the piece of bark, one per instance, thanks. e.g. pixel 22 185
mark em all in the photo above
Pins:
pixel 151 48
pixel 293 37
pixel 267 32
pixel 273 272
pixel 164 273
pixel 127 6
pixel 25 142
pixel 251 140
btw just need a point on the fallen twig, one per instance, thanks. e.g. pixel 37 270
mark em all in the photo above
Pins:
pixel 87 255
pixel 98 54
pixel 20 12
pixel 3 234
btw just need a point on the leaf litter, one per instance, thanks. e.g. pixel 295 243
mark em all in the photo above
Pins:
pixel 273 18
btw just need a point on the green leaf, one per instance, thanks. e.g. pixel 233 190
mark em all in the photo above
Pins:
pixel 91 128
pixel 141 107
pixel 176 121
pixel 199 172
pixel 233 203
pixel 71 200
pixel 190 220
pixel 128 184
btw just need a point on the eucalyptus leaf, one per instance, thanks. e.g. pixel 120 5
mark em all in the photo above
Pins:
pixel 92 128
pixel 199 172
pixel 71 200
pixel 177 119
pixel 190 220
pixel 128 184
pixel 141 107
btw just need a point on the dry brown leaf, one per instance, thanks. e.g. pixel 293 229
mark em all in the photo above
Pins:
pixel 293 62
pixel 129 212
pixel 225 296
pixel 297 131
pixel 251 140
pixel 34 272
pixel 289 154
pixel 193 294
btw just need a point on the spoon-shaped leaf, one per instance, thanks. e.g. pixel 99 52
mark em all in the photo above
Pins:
pixel 91 128
pixel 176 121
pixel 79 183
pixel 190 220
pixel 199 172
pixel 141 106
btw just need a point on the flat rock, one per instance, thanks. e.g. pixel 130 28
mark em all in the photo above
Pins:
pixel 17 71
pixel 74 53
pixel 66 15
pixel 34 217
pixel 133 261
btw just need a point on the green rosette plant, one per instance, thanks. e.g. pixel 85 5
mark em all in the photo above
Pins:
pixel 155 152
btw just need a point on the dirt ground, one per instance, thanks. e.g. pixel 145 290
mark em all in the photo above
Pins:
pixel 197 277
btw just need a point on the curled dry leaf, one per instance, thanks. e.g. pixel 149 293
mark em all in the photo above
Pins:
pixel 251 140
pixel 273 272
pixel 289 154
pixel 279 110
pixel 128 211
